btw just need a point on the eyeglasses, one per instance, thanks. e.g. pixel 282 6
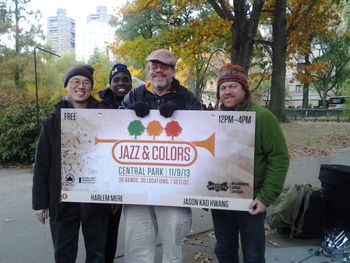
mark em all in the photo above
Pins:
pixel 155 66
pixel 77 82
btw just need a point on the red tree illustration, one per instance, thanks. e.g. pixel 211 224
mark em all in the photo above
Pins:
pixel 173 129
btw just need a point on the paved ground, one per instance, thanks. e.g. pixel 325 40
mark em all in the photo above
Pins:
pixel 24 240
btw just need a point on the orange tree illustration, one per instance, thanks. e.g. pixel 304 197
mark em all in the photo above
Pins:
pixel 136 128
pixel 154 128
pixel 173 129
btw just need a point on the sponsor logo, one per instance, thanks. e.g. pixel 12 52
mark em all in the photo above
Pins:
pixel 69 179
pixel 87 180
pixel 217 186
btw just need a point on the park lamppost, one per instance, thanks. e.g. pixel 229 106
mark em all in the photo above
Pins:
pixel 36 82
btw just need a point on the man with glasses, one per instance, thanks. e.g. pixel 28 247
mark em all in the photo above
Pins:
pixel 143 223
pixel 66 218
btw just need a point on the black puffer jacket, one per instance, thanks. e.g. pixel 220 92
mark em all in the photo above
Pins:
pixel 178 94
pixel 108 99
pixel 47 172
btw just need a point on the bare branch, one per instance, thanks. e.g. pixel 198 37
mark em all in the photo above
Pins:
pixel 221 9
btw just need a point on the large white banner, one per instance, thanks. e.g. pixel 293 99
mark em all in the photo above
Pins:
pixel 199 159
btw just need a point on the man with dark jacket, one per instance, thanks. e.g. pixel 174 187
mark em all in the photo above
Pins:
pixel 65 218
pixel 119 86
pixel 143 222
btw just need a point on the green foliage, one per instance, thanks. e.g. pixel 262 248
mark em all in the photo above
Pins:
pixel 330 70
pixel 102 66
pixel 17 136
pixel 146 19
pixel 18 126
pixel 24 35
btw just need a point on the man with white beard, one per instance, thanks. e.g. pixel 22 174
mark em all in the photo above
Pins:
pixel 143 222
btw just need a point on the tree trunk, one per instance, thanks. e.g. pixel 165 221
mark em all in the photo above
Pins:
pixel 245 21
pixel 305 103
pixel 244 31
pixel 306 85
pixel 325 91
pixel 324 99
pixel 17 45
pixel 279 52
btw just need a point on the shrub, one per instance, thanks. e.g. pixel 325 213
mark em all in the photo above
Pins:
pixel 18 126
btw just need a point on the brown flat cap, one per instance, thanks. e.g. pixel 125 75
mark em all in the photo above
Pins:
pixel 163 56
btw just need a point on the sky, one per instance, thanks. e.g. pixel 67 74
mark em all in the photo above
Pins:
pixel 76 9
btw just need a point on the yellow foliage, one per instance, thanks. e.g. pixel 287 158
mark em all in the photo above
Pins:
pixel 135 72
pixel 192 44
pixel 306 19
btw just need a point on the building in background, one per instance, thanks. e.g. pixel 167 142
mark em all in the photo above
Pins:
pixel 61 32
pixel 96 35
pixel 100 15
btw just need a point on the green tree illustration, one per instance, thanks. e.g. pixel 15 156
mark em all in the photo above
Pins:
pixel 136 128
pixel 154 128
pixel 173 129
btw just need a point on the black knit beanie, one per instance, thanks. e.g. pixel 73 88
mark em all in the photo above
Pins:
pixel 116 68
pixel 82 70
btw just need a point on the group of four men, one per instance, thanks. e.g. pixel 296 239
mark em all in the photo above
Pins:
pixel 143 223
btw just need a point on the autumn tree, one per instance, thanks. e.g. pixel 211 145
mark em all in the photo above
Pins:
pixel 244 24
pixel 307 21
pixel 191 30
pixel 173 129
pixel 290 23
pixel 240 23
pixel 154 128
pixel 316 43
